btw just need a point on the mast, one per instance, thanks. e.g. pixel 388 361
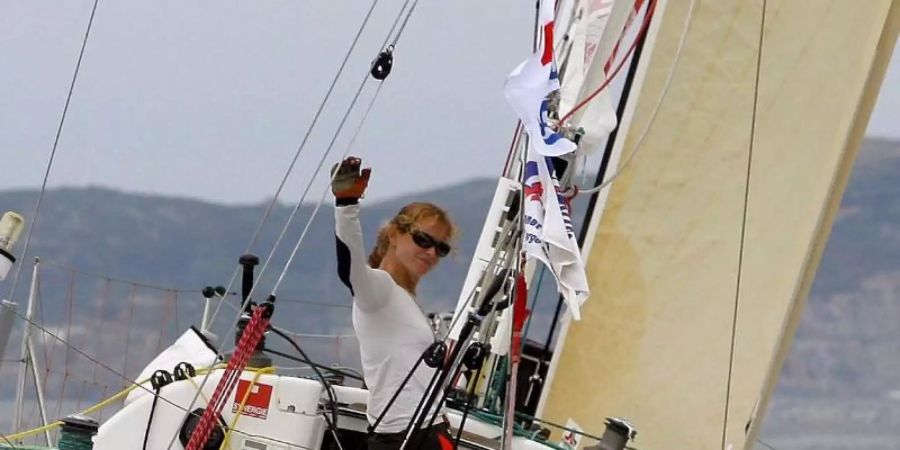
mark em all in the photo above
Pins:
pixel 702 258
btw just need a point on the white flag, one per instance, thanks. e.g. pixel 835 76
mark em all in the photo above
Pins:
pixel 549 235
pixel 527 87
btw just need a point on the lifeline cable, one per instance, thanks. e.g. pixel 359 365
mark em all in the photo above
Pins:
pixel 134 383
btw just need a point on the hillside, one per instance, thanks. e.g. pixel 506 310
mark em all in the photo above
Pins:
pixel 840 386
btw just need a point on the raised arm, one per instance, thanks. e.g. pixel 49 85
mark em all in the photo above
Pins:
pixel 370 288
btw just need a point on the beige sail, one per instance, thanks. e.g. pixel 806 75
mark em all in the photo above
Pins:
pixel 710 238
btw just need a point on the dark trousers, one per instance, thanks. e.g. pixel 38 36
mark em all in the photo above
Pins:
pixel 435 438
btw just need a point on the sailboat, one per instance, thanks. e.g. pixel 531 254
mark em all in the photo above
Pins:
pixel 722 180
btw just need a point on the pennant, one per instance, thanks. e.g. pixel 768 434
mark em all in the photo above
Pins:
pixel 527 87
pixel 549 234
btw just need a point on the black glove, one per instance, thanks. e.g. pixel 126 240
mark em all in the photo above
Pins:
pixel 348 182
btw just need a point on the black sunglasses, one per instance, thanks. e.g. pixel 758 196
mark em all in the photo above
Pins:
pixel 426 241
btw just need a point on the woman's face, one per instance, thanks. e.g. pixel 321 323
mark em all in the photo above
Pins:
pixel 415 259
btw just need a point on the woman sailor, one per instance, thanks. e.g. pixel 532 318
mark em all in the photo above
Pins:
pixel 392 329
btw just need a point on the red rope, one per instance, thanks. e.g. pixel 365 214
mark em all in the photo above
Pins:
pixel 520 312
pixel 649 14
pixel 249 339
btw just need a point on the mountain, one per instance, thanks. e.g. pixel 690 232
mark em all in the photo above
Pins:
pixel 839 389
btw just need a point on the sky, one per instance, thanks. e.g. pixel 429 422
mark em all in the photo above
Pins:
pixel 212 99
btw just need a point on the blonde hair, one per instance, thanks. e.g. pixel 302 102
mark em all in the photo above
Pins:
pixel 403 222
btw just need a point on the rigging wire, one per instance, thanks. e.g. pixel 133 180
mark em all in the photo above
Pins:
pixel 45 331
pixel 394 24
pixel 315 212
pixel 274 290
pixel 737 290
pixel 513 144
pixel 11 445
pixel 296 209
pixel 663 94
pixel 668 82
pixel 520 131
pixel 405 21
pixel 331 146
pixel 169 289
pixel 100 276
pixel 59 128
pixel 307 189
pixel 133 384
pixel 271 206
pixel 336 134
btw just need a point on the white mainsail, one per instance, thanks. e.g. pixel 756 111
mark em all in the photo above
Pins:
pixel 709 240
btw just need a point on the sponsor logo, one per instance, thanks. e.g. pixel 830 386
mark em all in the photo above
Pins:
pixel 572 437
pixel 257 404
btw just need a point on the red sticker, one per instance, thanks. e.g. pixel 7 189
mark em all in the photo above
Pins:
pixel 257 404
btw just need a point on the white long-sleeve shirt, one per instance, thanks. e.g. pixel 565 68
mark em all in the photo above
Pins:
pixel 392 329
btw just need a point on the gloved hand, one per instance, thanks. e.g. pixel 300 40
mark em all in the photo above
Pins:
pixel 349 183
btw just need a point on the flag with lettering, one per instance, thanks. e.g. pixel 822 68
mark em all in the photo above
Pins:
pixel 528 85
